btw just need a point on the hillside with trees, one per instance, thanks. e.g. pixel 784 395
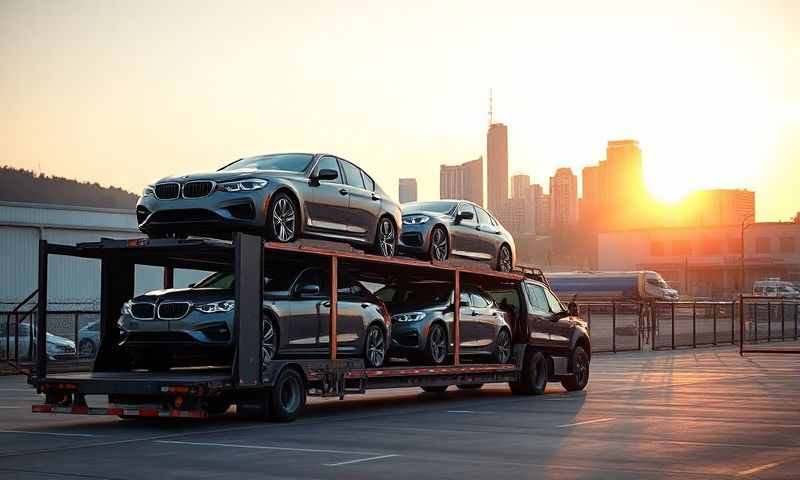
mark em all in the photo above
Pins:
pixel 17 185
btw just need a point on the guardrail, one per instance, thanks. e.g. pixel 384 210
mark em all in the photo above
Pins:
pixel 781 311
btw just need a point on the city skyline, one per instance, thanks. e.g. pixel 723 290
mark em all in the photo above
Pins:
pixel 711 111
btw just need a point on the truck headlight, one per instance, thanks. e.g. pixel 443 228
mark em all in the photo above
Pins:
pixel 216 307
pixel 246 185
pixel 408 317
pixel 415 219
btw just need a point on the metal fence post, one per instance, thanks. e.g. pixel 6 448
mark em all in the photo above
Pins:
pixel 694 324
pixel 769 322
pixel 77 342
pixel 589 318
pixel 714 341
pixel 673 325
pixel 741 324
pixel 783 319
pixel 733 323
pixel 755 321
pixel 641 328
pixel 614 327
pixel 795 320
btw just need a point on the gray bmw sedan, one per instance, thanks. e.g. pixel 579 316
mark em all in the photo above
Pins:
pixel 444 228
pixel 281 196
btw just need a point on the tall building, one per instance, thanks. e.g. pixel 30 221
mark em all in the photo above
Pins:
pixel 407 190
pixel 462 182
pixel 564 199
pixel 718 207
pixel 512 215
pixel 520 186
pixel 497 166
pixel 521 190
pixel 543 210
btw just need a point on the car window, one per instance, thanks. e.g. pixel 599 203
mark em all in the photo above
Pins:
pixel 222 280
pixel 466 207
pixel 538 298
pixel 312 276
pixel 483 217
pixel 555 305
pixel 369 183
pixel 478 301
pixel 329 163
pixel 352 174
pixel 465 298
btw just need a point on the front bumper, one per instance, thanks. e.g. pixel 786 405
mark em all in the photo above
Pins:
pixel 407 338
pixel 415 239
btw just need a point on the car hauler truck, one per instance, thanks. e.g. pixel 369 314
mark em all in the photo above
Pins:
pixel 550 346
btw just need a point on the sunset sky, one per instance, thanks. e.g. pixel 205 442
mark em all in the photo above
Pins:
pixel 126 92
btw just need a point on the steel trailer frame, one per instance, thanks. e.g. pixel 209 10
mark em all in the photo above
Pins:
pixel 248 380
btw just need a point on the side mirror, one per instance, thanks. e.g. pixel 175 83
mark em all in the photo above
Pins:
pixel 327 174
pixel 308 290
pixel 572 308
pixel 464 216
pixel 558 316
pixel 191 285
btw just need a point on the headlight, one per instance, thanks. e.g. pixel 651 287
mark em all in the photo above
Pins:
pixel 243 185
pixel 408 317
pixel 149 191
pixel 126 308
pixel 216 307
pixel 415 220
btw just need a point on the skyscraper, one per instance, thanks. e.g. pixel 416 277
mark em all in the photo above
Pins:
pixel 718 207
pixel 497 166
pixel 520 184
pixel 407 190
pixel 462 182
pixel 564 199
pixel 521 190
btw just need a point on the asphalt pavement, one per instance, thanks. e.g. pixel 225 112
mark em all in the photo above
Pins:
pixel 705 413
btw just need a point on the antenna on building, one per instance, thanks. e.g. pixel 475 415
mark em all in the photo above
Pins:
pixel 491 108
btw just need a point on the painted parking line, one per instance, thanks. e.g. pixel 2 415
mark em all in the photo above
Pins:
pixel 587 422
pixel 267 447
pixel 360 460
pixel 26 432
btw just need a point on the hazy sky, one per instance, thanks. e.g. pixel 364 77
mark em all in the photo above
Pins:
pixel 126 92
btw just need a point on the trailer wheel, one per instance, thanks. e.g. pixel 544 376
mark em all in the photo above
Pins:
pixel 580 376
pixel 470 386
pixel 533 378
pixel 435 389
pixel 287 397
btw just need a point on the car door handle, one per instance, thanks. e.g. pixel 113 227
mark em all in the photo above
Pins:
pixel 375 197
pixel 343 191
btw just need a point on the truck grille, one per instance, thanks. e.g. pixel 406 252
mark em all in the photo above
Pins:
pixel 143 311
pixel 197 189
pixel 168 191
pixel 173 311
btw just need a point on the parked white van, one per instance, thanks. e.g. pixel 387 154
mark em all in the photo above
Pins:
pixel 775 287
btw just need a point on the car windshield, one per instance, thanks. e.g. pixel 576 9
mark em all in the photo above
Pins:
pixel 218 280
pixel 435 207
pixel 287 162
pixel 416 296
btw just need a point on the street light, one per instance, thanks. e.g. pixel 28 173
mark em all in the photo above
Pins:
pixel 745 225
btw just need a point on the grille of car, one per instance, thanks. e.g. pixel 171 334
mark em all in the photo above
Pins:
pixel 173 310
pixel 168 191
pixel 143 311
pixel 197 189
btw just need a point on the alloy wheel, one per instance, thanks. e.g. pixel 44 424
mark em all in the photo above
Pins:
pixel 86 348
pixel 375 347
pixel 283 219
pixel 268 341
pixel 386 238
pixel 581 369
pixel 439 247
pixel 503 347
pixel 504 262
pixel 438 345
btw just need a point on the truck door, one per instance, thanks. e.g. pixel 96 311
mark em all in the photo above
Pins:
pixel 560 329
pixel 539 324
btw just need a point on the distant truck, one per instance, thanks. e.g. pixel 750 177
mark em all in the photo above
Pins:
pixel 632 285
pixel 775 287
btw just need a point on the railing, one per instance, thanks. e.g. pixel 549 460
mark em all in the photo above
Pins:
pixel 766 320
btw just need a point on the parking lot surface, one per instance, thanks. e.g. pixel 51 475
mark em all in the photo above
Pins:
pixel 704 413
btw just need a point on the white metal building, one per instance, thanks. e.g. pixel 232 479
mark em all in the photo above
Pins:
pixel 72 282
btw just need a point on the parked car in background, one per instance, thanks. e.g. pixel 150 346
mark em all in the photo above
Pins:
pixel 193 326
pixel 632 285
pixel 281 196
pixel 89 340
pixel 444 228
pixel 23 340
pixel 775 287
pixel 422 322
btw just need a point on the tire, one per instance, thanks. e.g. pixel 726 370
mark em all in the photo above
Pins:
pixel 374 346
pixel 580 366
pixel 436 345
pixel 269 339
pixel 471 386
pixel 439 248
pixel 502 347
pixel 505 262
pixel 435 389
pixel 385 238
pixel 87 348
pixel 288 397
pixel 533 378
pixel 282 219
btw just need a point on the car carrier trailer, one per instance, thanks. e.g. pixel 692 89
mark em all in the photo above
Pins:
pixel 278 388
